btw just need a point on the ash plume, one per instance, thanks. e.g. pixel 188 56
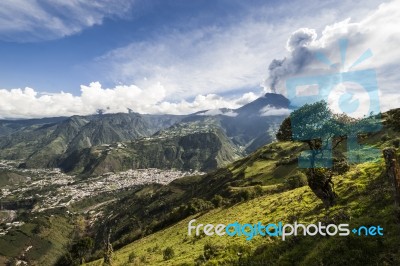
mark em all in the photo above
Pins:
pixel 300 56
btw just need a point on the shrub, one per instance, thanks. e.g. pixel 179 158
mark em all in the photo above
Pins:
pixel 200 260
pixel 243 195
pixel 396 143
pixel 66 260
pixel 211 251
pixel 296 180
pixel 393 120
pixel 81 248
pixel 286 161
pixel 168 253
pixel 217 200
pixel 196 205
pixel 132 257
pixel 385 137
pixel 285 131
pixel 155 248
pixel 143 259
pixel 258 190
pixel 341 167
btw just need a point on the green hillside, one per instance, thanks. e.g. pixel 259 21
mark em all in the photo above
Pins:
pixel 364 200
pixel 148 223
pixel 196 145
pixel 49 142
pixel 45 237
pixel 41 143
pixel 265 186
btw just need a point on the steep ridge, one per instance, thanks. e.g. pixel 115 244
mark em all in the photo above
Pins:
pixel 50 142
pixel 195 146
pixel 250 126
pixel 42 145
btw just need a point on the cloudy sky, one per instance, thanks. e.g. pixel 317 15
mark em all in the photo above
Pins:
pixel 66 57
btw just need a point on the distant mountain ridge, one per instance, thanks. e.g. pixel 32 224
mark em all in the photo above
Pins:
pixel 247 126
pixel 186 147
pixel 273 100
pixel 48 142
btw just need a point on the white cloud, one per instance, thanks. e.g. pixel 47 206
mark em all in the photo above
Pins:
pixel 34 20
pixel 27 103
pixel 219 58
pixel 246 98
pixel 377 32
pixel 199 63
pixel 270 111
pixel 214 112
pixel 211 60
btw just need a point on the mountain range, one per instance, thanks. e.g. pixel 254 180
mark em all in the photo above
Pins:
pixel 77 143
pixel 67 220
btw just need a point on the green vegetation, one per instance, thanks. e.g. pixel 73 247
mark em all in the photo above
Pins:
pixel 67 142
pixel 154 207
pixel 148 223
pixel 168 253
pixel 44 142
pixel 267 186
pixel 47 235
pixel 77 252
pixel 297 180
pixel 364 198
pixel 132 257
pixel 323 131
pixel 197 146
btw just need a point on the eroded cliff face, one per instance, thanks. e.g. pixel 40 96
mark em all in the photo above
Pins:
pixel 204 151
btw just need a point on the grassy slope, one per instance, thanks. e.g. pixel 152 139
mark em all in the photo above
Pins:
pixel 47 245
pixel 365 198
pixel 152 208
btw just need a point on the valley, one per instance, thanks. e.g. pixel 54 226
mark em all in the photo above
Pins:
pixel 37 192
pixel 139 195
pixel 50 188
pixel 66 141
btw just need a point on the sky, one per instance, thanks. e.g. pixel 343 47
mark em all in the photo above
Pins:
pixel 72 57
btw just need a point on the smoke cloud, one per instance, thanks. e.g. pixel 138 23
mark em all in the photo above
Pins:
pixel 300 55
pixel 311 54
